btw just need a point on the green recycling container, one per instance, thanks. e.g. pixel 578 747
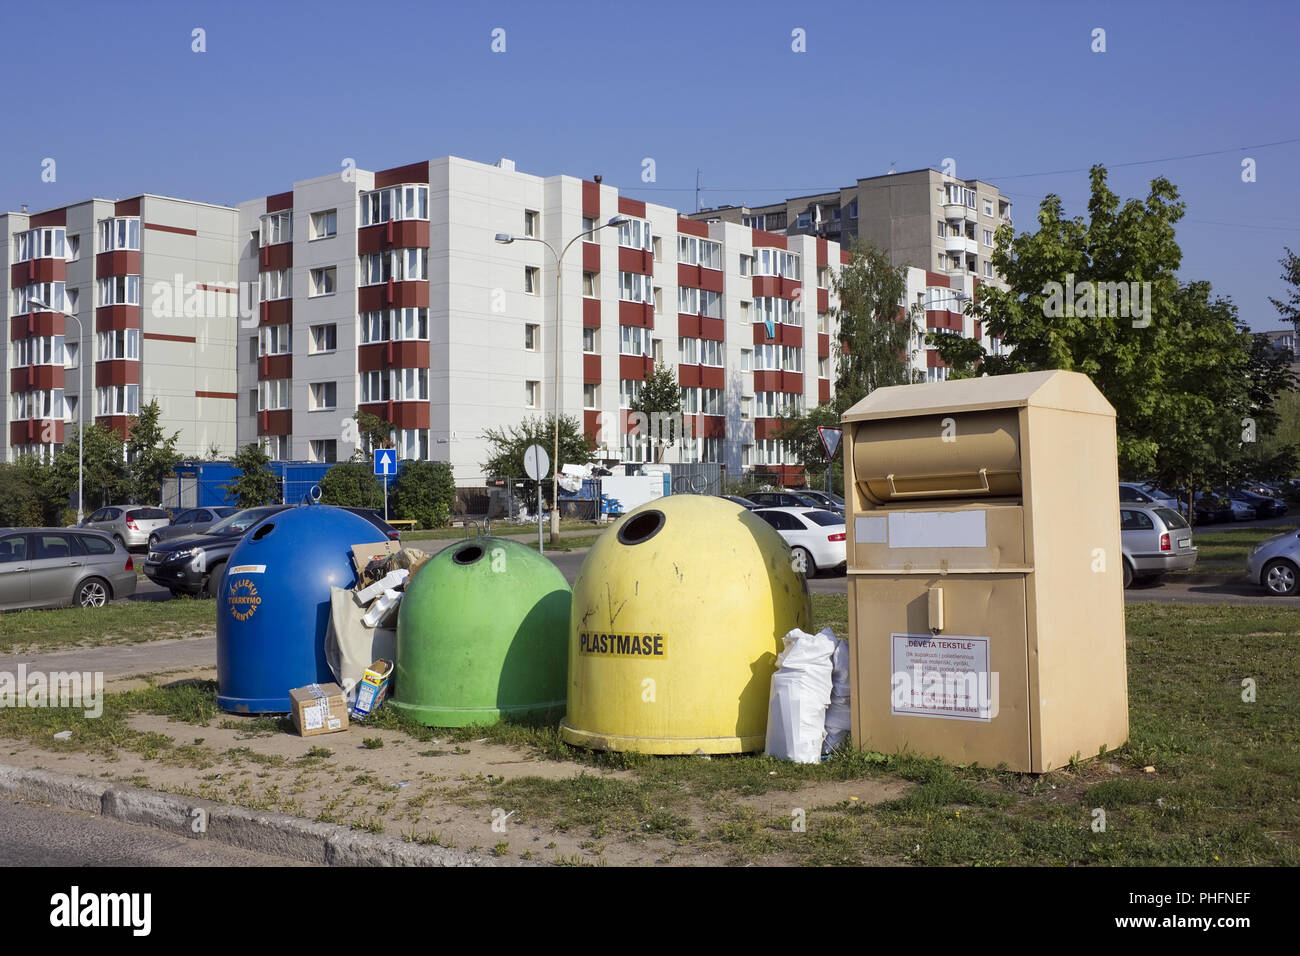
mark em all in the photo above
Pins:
pixel 482 635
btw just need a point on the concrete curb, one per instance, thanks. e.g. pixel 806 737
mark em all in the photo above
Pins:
pixel 275 834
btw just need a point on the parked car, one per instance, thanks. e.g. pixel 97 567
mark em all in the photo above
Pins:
pixel 816 536
pixel 376 519
pixel 1242 509
pixel 781 499
pixel 1266 506
pixel 58 567
pixel 1275 564
pixel 1144 493
pixel 194 565
pixel 129 524
pixel 190 522
pixel 743 502
pixel 824 500
pixel 1212 509
pixel 1155 540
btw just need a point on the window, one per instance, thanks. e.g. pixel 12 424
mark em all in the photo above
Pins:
pixel 395 324
pixel 591 285
pixel 988 207
pixel 277 227
pixel 791 359
pixel 634 287
pixel 532 280
pixel 746 265
pixel 47 243
pixel 323 281
pixel 71 354
pixel 746 360
pixel 277 447
pixel 376 387
pixel 274 394
pixel 324 449
pixel 252 401
pixel 589 340
pixel 398 385
pixel 119 290
pixel 710 254
pixel 776 404
pixel 688 300
pixel 779 311
pixel 629 391
pixel 589 395
pixel 395 202
pixel 532 394
pixel 400 265
pixel 323 395
pixel 123 344
pixel 688 250
pixel 412 443
pixel 823 367
pixel 635 234
pixel 636 448
pixel 119 400
pixel 40 350
pixel 710 304
pixel 658 249
pixel 823 277
pixel 943 229
pixel 711 353
pixel 275 340
pixel 658 295
pixel 778 262
pixel 324 338
pixel 746 407
pixel 589 225
pixel 42 403
pixel 633 340
pixel 324 225
pixel 531 220
pixel 688 351
pixel 987 236
pixel 532 337
pixel 13 548
pixel 767 358
pixel 276 284
pixel 117 234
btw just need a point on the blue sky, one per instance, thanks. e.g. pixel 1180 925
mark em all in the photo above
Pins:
pixel 113 92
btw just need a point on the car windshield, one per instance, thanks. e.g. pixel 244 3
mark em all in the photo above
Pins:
pixel 239 522
pixel 225 512
pixel 824 518
pixel 1172 519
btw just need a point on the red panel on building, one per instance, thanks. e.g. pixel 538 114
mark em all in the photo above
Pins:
pixel 791 335
pixel 591 369
pixel 712 329
pixel 405 295
pixel 845 257
pixel 823 300
pixel 792 382
pixel 777 287
pixel 276 312
pixel 29 378
pixel 635 260
pixel 38 323
pixel 42 270
pixel 766 427
pixel 823 345
pixel 823 390
pixel 122 262
pixel 399 234
pixel 117 372
pixel 114 318
pixel 55 217
pixel 636 313
pixel 688 275
pixel 276 257
pixel 979 330
pixel 271 367
pixel 932 359
pixel 631 207
pixel 941 319
pixel 228 396
pixel 35 431
pixel 381 355
pixel 767 381
pixel 127 207
pixel 823 253
pixel 590 199
pixel 178 230
pixel 768 239
pixel 635 366
pixel 688 376
pixel 412 173
pixel 401 414
pixel 711 376
pixel 691 227
pixel 590 256
pixel 590 417
pixel 591 313
pixel 277 422
pixel 937 278
pixel 688 326
pixel 162 337
pixel 279 202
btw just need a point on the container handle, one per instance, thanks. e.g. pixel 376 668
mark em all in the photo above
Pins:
pixel 939 493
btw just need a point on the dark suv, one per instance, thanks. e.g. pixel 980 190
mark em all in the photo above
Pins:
pixel 194 565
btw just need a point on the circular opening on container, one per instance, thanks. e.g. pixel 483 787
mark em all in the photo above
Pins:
pixel 468 554
pixel 263 531
pixel 641 528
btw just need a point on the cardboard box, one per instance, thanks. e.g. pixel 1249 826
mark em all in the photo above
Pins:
pixel 319 709
pixel 363 554
pixel 373 688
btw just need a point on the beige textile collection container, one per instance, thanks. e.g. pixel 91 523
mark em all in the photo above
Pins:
pixel 986 605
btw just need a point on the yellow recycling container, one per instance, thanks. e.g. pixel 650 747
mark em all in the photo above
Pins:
pixel 678 614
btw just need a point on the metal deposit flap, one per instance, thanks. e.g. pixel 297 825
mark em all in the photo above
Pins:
pixel 959 455
pixel 963 538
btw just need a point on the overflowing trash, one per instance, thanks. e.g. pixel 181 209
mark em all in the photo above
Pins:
pixel 839 716
pixel 801 695
pixel 372 690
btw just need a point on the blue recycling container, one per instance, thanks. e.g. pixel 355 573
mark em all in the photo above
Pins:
pixel 273 606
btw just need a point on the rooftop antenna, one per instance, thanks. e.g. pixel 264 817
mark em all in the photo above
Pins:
pixel 891 167
pixel 697 189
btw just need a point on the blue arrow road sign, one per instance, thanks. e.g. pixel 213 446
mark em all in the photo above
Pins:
pixel 385 461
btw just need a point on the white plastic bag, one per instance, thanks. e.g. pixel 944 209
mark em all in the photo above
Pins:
pixel 839 720
pixel 801 692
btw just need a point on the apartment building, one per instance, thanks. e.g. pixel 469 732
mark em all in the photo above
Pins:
pixel 924 219
pixel 150 284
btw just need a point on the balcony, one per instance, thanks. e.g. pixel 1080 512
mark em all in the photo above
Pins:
pixel 958 212
pixel 960 244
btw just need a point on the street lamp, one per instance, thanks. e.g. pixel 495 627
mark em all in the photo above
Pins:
pixel 506 238
pixel 33 304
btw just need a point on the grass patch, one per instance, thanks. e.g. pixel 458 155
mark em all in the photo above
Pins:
pixel 130 622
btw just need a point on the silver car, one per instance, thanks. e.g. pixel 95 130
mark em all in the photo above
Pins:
pixel 1154 540
pixel 131 525
pixel 190 522
pixel 57 567
pixel 1275 564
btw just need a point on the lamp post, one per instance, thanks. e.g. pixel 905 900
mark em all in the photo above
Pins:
pixel 81 399
pixel 506 238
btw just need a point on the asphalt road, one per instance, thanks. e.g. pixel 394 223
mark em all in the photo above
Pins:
pixel 37 835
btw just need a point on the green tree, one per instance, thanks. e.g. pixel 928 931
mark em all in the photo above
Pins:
pixel 506 447
pixel 1101 296
pixel 877 336
pixel 800 433
pixel 25 498
pixel 425 492
pixel 255 484
pixel 660 402
pixel 105 479
pixel 352 484
pixel 372 432
pixel 150 455
pixel 1290 308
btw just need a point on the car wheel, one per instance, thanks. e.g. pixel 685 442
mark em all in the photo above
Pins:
pixel 1128 575
pixel 802 560
pixel 213 583
pixel 118 539
pixel 1279 577
pixel 92 592
pixel 153 541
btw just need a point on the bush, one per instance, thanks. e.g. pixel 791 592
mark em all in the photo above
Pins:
pixel 425 492
pixel 351 484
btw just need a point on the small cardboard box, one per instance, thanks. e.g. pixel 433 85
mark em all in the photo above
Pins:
pixel 319 709
pixel 372 688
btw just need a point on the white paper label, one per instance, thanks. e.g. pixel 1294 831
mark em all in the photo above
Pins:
pixel 938 529
pixel 312 719
pixel 248 569
pixel 870 529
pixel 942 676
pixel 335 723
